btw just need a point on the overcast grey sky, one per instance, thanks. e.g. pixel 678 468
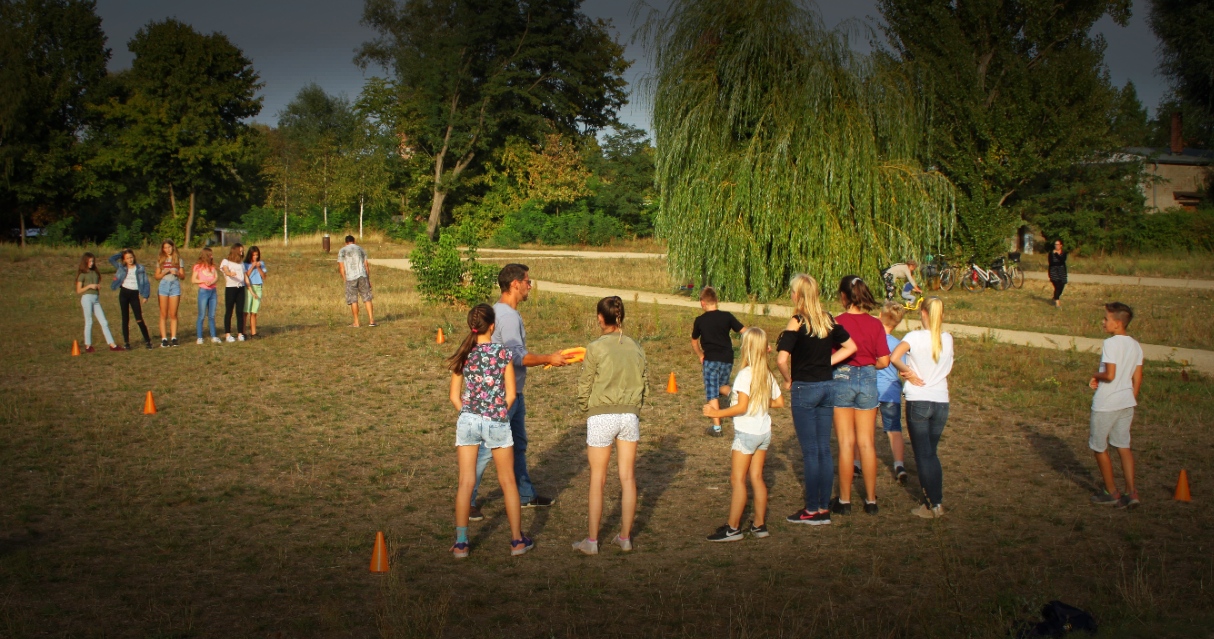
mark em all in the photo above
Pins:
pixel 294 42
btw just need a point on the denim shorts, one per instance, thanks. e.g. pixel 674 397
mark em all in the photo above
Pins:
pixel 855 387
pixel 716 375
pixel 747 444
pixel 475 430
pixel 169 288
pixel 891 416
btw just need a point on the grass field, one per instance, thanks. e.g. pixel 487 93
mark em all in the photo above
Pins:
pixel 1182 265
pixel 247 507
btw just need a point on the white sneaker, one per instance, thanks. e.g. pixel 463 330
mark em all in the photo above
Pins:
pixel 231 339
pixel 200 341
pixel 240 338
pixel 216 340
pixel 625 544
pixel 587 547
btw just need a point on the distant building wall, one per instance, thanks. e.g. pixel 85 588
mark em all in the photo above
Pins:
pixel 1171 182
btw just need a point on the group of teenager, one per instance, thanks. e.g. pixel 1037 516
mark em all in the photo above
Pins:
pixel 243 275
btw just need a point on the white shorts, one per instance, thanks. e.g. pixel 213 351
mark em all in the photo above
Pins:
pixel 748 443
pixel 601 430
pixel 1110 428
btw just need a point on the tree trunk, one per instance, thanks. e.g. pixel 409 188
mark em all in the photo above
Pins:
pixel 189 220
pixel 284 214
pixel 172 202
pixel 360 217
pixel 436 213
pixel 21 215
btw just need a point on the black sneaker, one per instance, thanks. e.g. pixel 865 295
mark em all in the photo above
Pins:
pixel 725 533
pixel 539 502
pixel 839 507
pixel 475 514
pixel 148 345
pixel 714 432
pixel 173 342
pixel 758 532
pixel 870 509
pixel 900 474
pixel 805 517
pixel 164 343
pixel 126 346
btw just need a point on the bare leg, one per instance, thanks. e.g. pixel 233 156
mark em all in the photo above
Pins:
pixel 739 465
pixel 174 303
pixel 370 312
pixel 503 460
pixel 354 309
pixel 897 445
pixel 1106 472
pixel 251 320
pixel 759 487
pixel 716 405
pixel 466 458
pixel 1127 468
pixel 164 314
pixel 845 431
pixel 626 459
pixel 598 457
pixel 865 429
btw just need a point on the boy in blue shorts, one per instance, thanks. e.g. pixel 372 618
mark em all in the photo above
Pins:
pixel 889 391
pixel 1116 384
pixel 711 342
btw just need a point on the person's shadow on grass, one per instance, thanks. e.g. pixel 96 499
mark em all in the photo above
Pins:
pixel 1057 454
pixel 656 469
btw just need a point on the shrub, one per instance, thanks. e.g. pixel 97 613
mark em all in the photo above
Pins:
pixel 57 233
pixel 127 237
pixel 261 222
pixel 576 226
pixel 443 276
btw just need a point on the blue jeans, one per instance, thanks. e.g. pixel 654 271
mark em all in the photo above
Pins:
pixel 813 419
pixel 891 416
pixel 925 423
pixel 91 304
pixel 518 430
pixel 207 299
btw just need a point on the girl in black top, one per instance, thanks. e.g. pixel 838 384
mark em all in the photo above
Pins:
pixel 805 360
pixel 1057 259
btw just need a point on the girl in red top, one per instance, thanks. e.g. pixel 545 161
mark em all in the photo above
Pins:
pixel 855 392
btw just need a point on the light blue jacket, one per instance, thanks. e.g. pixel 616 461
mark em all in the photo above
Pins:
pixel 141 276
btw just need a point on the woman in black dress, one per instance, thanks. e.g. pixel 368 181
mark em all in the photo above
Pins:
pixel 1057 258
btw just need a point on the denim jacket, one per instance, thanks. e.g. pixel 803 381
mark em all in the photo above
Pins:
pixel 141 276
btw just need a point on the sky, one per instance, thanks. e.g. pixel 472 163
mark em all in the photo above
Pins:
pixel 296 42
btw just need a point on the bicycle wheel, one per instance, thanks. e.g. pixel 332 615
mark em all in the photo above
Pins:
pixel 947 279
pixel 971 283
pixel 1017 277
pixel 1004 282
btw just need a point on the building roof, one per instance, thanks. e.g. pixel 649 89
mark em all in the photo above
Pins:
pixel 1163 155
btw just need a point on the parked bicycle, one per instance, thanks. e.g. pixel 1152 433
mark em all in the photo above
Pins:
pixel 1014 274
pixel 980 278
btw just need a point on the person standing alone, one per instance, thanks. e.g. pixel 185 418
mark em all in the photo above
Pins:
pixel 352 264
pixel 1057 260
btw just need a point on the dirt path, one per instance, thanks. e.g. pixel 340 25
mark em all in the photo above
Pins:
pixel 1198 359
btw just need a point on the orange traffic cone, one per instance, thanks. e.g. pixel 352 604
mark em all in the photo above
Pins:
pixel 440 339
pixel 379 556
pixel 671 385
pixel 75 348
pixel 1182 487
pixel 149 406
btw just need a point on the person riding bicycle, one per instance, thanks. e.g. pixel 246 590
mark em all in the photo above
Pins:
pixel 901 271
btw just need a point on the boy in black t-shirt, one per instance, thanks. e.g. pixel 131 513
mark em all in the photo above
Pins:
pixel 711 342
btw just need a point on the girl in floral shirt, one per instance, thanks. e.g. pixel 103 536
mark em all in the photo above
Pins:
pixel 482 388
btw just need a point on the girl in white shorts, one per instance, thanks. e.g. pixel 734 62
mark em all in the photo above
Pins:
pixel 755 390
pixel 612 388
pixel 482 388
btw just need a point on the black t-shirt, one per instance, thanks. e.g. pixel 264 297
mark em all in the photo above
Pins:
pixel 811 354
pixel 712 329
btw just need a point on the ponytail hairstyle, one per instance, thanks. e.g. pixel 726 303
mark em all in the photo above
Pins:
pixel 84 265
pixel 933 308
pixel 206 258
pixel 234 252
pixel 808 304
pixel 854 292
pixel 480 318
pixel 754 355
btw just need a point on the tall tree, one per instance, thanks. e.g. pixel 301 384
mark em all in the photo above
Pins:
pixel 623 186
pixel 320 129
pixel 52 56
pixel 181 126
pixel 1184 29
pixel 1017 89
pixel 779 150
pixel 469 74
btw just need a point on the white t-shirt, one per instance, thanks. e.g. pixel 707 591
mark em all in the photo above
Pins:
pixel 751 424
pixel 933 373
pixel 1123 352
pixel 355 259
pixel 131 281
pixel 235 267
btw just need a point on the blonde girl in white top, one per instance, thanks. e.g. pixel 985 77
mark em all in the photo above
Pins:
pixel 755 391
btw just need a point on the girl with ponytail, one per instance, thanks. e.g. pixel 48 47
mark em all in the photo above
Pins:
pixel 929 352
pixel 482 389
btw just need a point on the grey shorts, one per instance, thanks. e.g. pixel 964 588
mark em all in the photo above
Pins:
pixel 1110 428
pixel 601 430
pixel 747 444
pixel 360 287
pixel 475 430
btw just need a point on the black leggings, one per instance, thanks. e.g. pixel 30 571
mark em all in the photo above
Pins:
pixel 128 301
pixel 233 298
pixel 1058 286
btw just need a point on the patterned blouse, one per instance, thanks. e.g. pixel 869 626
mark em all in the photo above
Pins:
pixel 485 381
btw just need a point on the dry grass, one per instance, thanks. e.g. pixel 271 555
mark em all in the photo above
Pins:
pixel 248 505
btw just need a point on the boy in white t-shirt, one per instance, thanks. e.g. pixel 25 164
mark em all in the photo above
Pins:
pixel 1116 385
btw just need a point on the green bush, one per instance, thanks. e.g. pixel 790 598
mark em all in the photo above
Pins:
pixel 127 237
pixel 576 226
pixel 57 233
pixel 261 222
pixel 446 277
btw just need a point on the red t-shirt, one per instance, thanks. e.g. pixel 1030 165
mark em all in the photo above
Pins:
pixel 869 335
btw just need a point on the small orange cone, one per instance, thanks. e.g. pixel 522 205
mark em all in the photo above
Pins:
pixel 75 348
pixel 379 556
pixel 149 406
pixel 1182 487
pixel 440 339
pixel 671 385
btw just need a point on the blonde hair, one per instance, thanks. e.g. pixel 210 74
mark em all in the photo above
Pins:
pixel 892 313
pixel 754 355
pixel 808 305
pixel 933 307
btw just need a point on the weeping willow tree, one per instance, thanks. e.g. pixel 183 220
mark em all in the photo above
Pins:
pixel 779 150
